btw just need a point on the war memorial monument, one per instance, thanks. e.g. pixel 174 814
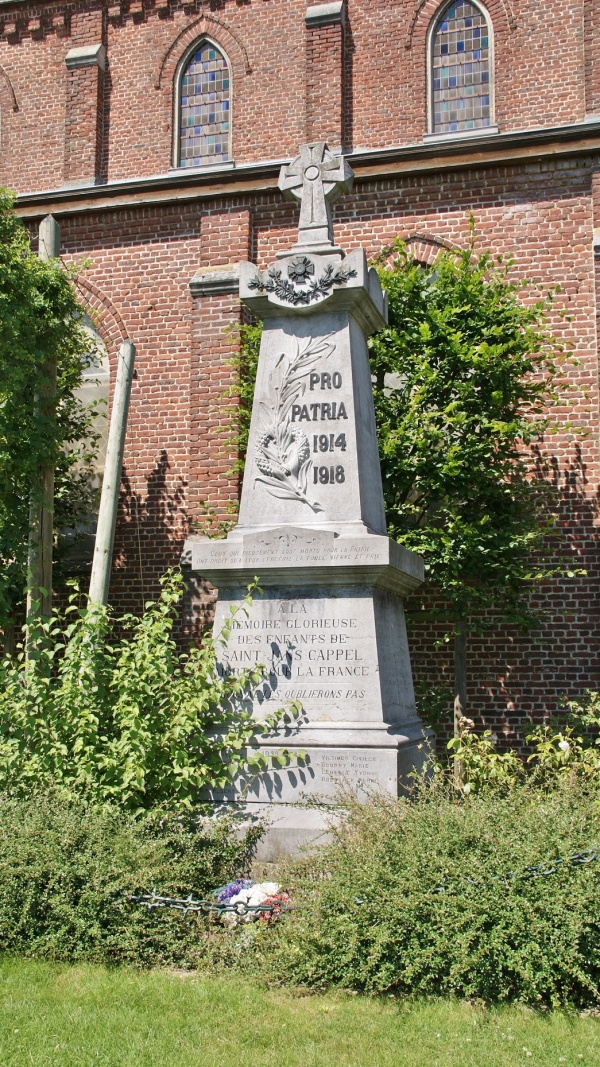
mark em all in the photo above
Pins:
pixel 329 626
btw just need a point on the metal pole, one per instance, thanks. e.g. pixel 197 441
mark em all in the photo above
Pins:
pixel 41 507
pixel 107 515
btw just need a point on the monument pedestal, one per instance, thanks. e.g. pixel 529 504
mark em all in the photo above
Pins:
pixel 329 626
pixel 329 630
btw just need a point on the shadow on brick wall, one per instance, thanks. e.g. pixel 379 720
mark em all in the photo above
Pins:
pixel 515 677
pixel 151 529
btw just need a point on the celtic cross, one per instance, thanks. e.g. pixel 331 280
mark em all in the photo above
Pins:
pixel 317 179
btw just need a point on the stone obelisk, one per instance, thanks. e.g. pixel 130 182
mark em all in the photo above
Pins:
pixel 329 627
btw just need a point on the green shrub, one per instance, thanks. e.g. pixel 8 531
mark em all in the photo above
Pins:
pixel 67 868
pixel 567 745
pixel 433 897
pixel 571 741
pixel 127 719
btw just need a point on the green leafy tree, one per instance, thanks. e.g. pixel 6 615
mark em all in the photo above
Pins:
pixel 115 713
pixel 40 320
pixel 465 376
pixel 245 364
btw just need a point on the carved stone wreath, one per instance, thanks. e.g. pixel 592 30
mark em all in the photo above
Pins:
pixel 292 294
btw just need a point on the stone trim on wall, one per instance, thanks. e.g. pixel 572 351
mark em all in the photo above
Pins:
pixel 325 14
pixel 92 55
pixel 371 164
pixel 220 281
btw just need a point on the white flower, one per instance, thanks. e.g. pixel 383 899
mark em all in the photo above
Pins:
pixel 564 747
pixel 269 887
pixel 252 898
pixel 467 787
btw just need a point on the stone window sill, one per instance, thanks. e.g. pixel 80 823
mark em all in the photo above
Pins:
pixel 207 168
pixel 462 135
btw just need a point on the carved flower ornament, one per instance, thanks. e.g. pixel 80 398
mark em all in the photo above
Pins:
pixel 300 268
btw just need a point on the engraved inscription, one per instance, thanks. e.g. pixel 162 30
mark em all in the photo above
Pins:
pixel 355 767
pixel 326 662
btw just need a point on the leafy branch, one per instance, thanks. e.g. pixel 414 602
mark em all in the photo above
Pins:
pixel 292 294
pixel 282 452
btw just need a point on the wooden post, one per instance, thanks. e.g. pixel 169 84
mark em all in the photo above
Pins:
pixel 460 692
pixel 41 507
pixel 109 499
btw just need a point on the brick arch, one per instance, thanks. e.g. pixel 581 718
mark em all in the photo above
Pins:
pixel 499 11
pixel 423 247
pixel 218 31
pixel 8 89
pixel 426 248
pixel 103 313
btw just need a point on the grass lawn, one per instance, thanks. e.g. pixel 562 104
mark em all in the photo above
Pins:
pixel 59 1016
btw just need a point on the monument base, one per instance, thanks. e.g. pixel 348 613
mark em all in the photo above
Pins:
pixel 362 763
pixel 298 803
pixel 329 631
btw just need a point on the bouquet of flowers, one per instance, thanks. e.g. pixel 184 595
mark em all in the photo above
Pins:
pixel 250 900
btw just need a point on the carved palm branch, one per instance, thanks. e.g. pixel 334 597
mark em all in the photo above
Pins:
pixel 283 450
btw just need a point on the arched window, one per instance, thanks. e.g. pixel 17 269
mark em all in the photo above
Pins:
pixel 460 70
pixel 76 541
pixel 203 126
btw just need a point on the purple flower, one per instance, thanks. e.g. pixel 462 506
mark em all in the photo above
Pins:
pixel 232 889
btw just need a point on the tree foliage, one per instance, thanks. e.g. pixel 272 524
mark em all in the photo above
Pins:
pixel 40 320
pixel 492 896
pixel 127 719
pixel 464 377
pixel 68 867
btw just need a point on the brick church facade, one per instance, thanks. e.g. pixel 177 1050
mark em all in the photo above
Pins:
pixel 154 131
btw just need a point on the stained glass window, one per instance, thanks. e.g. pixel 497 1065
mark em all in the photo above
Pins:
pixel 460 70
pixel 204 108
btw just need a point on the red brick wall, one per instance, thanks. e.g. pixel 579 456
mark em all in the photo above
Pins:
pixel 84 105
pixel 178 452
pixel 141 263
pixel 541 213
pixel 545 75
pixel 325 95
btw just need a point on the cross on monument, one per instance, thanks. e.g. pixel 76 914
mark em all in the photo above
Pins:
pixel 317 179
